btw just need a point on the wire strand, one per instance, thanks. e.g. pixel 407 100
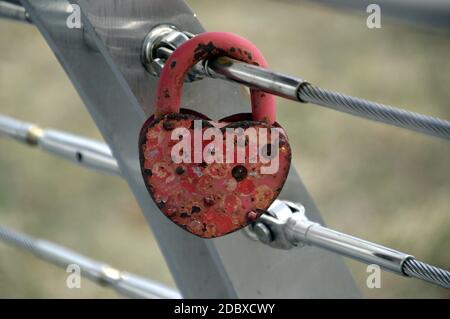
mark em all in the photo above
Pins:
pixel 432 274
pixel 375 111
pixel 17 239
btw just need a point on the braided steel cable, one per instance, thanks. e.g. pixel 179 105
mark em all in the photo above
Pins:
pixel 125 283
pixel 299 90
pixel 423 271
pixel 374 111
pixel 17 239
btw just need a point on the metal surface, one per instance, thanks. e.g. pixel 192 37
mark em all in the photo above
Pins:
pixel 296 229
pixel 125 283
pixel 275 220
pixel 285 226
pixel 13 12
pixel 164 36
pixel 80 150
pixel 13 128
pixel 119 93
pixel 432 274
pixel 262 232
pixel 253 76
pixel 156 50
pixel 375 111
pixel 304 231
pixel 163 39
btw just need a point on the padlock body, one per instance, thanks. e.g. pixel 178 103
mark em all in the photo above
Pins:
pixel 206 193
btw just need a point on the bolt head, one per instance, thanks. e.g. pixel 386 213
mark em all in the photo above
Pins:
pixel 263 233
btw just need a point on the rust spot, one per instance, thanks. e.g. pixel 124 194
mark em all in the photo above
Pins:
pixel 195 209
pixel 248 54
pixel 148 172
pixel 161 204
pixel 239 172
pixel 224 62
pixel 207 50
pixel 177 116
pixel 252 215
pixel 179 170
pixel 209 200
pixel 166 93
pixel 168 125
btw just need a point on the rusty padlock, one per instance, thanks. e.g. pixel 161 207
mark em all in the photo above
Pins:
pixel 194 167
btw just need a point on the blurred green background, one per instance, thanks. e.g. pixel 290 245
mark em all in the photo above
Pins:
pixel 380 183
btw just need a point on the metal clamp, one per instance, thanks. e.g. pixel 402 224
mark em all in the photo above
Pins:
pixel 270 228
pixel 285 226
pixel 159 43
pixel 162 40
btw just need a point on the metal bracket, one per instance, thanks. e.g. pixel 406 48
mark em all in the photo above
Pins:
pixel 270 227
pixel 159 43
pixel 285 226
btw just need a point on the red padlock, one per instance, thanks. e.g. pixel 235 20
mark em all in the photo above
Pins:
pixel 212 177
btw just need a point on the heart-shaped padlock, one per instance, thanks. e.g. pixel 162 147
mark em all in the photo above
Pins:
pixel 212 177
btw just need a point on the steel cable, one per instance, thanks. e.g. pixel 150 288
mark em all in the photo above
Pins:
pixel 432 274
pixel 375 111
pixel 125 283
pixel 17 239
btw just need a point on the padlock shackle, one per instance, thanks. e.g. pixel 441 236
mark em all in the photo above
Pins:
pixel 203 47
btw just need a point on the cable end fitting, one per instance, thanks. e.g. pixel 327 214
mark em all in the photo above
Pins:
pixel 33 135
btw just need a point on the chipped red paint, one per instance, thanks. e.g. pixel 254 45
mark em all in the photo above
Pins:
pixel 209 200
pixel 205 46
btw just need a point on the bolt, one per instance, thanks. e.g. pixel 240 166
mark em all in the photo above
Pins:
pixel 263 233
